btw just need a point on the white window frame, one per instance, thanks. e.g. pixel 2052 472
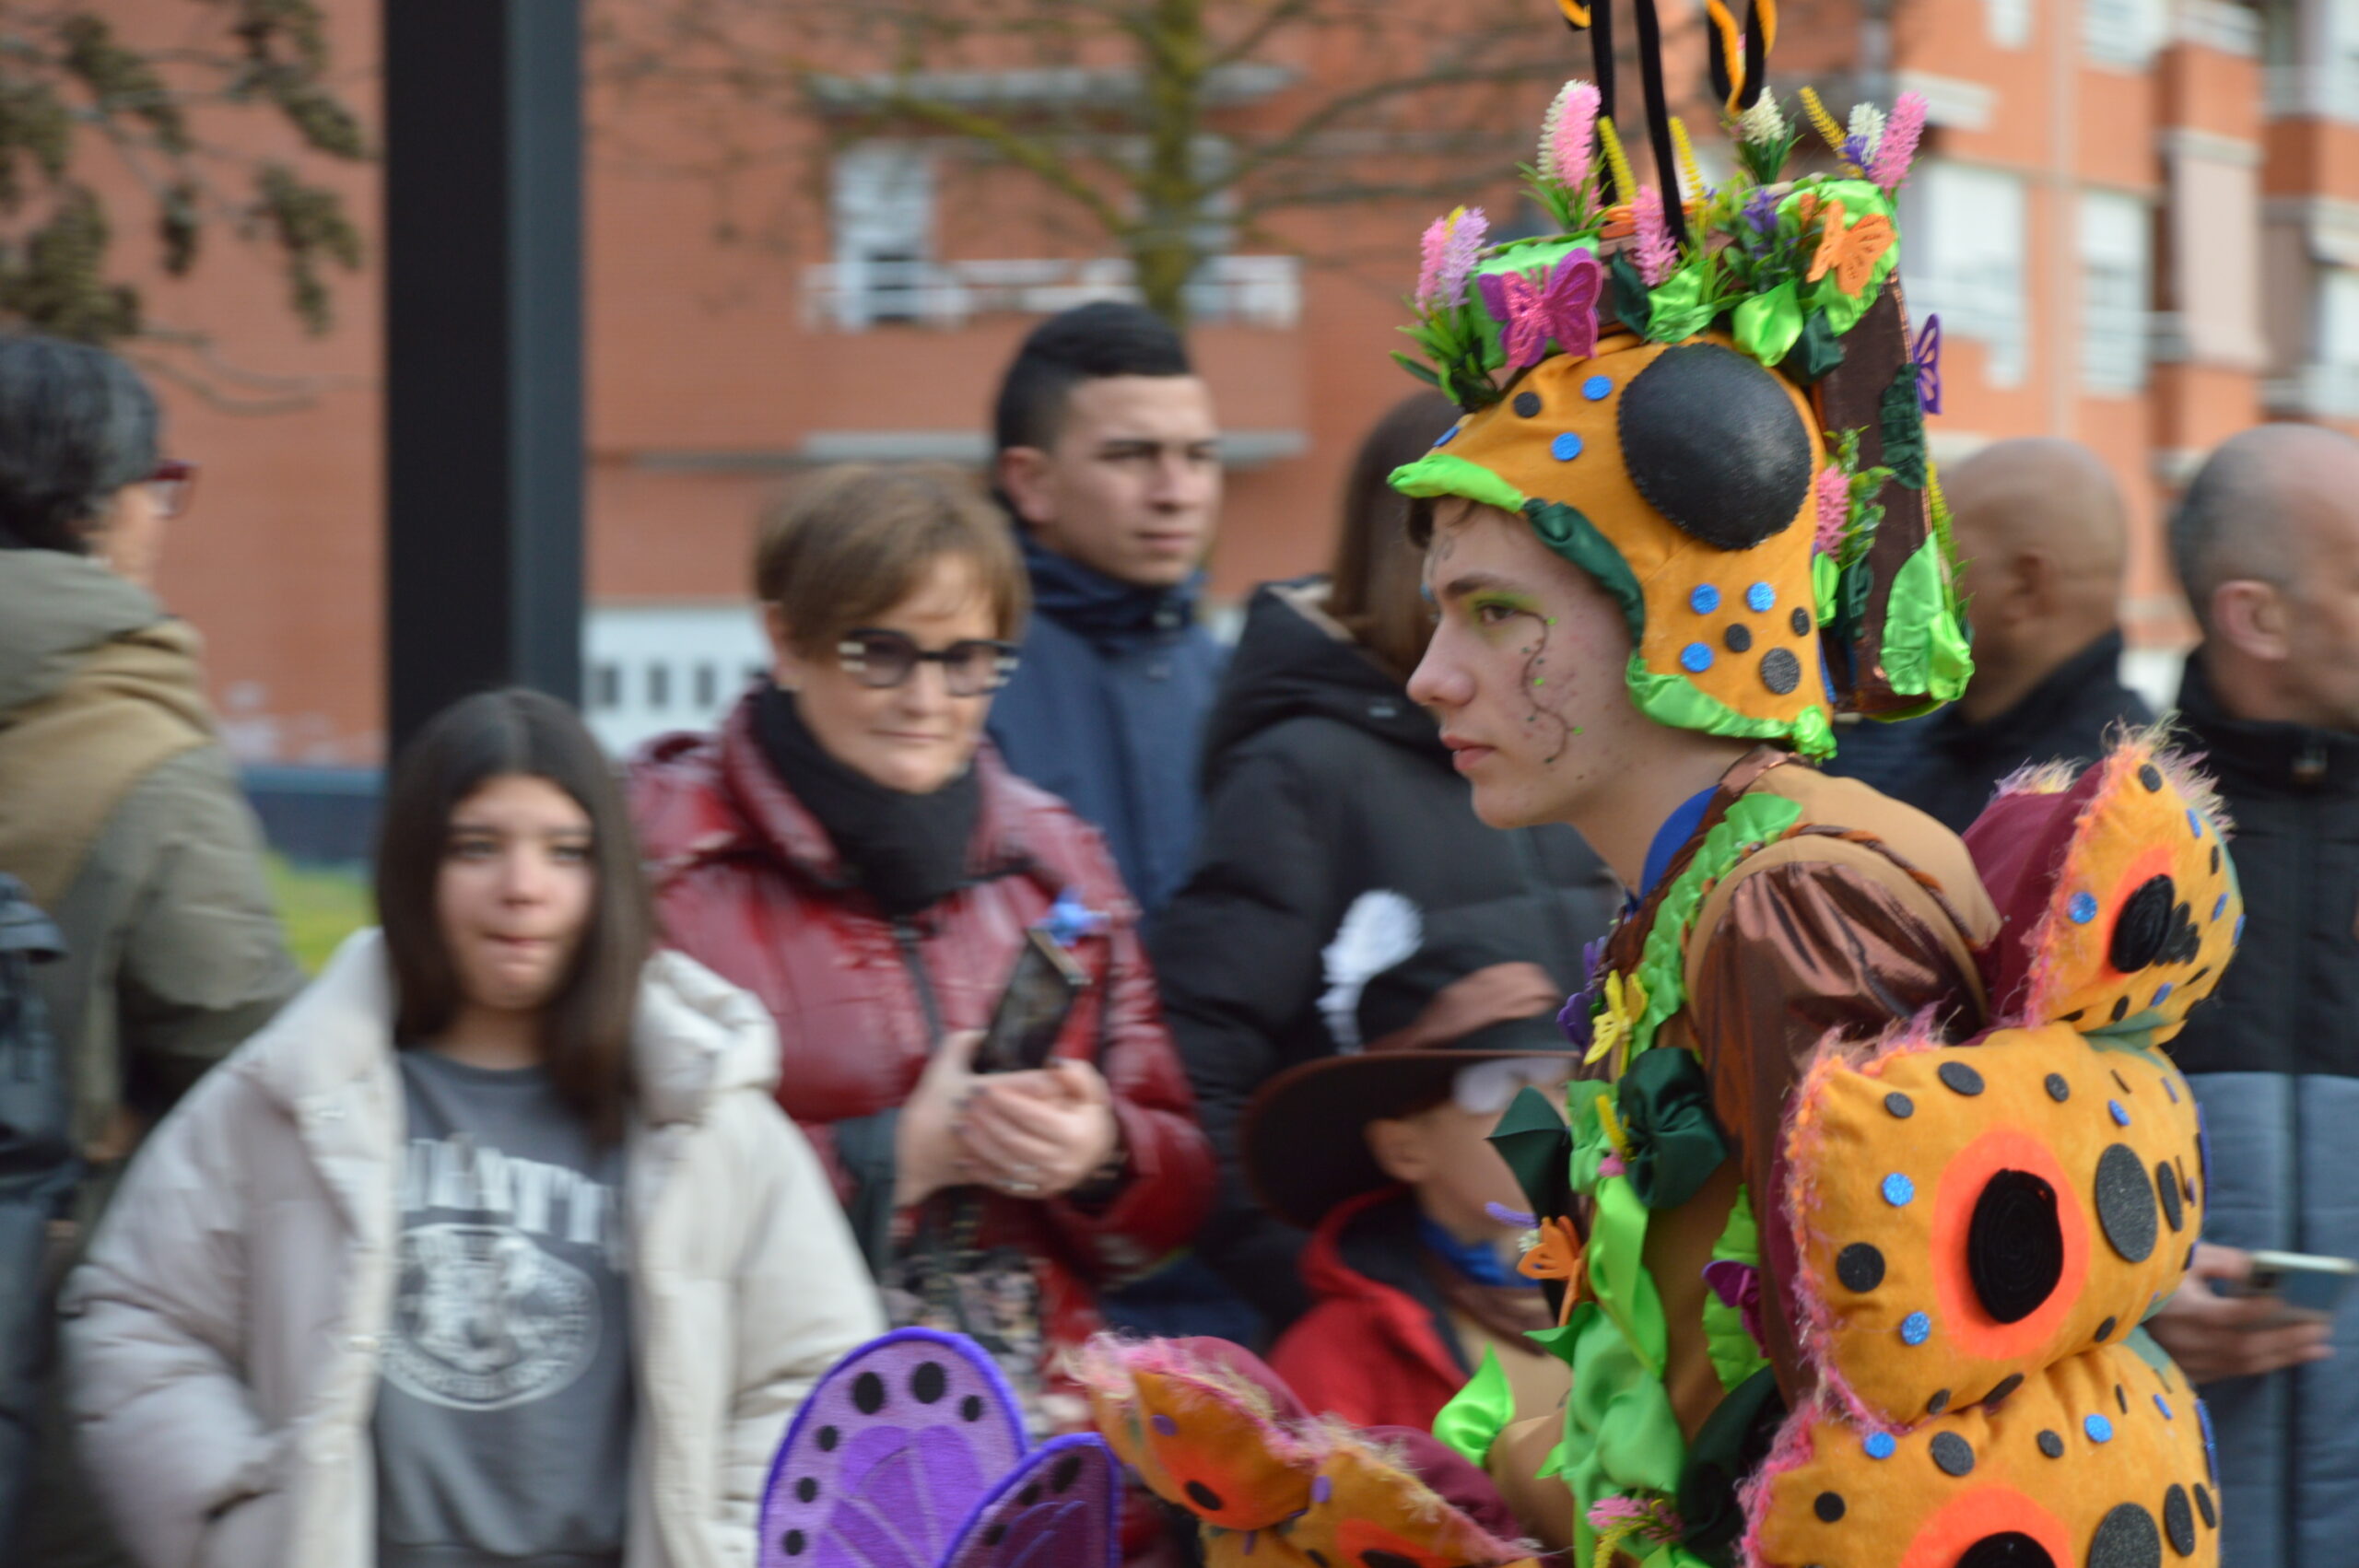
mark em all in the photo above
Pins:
pixel 881 220
pixel 1967 227
pixel 2115 244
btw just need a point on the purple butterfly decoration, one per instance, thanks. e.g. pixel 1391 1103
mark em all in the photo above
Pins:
pixel 1739 1285
pixel 1562 306
pixel 1927 358
pixel 910 1454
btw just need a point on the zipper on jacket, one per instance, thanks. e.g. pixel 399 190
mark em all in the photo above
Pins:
pixel 905 937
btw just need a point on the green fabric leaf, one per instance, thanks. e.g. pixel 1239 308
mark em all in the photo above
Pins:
pixel 1675 1141
pixel 1621 1435
pixel 1475 1416
pixel 1719 1461
pixel 1678 308
pixel 1768 325
pixel 1924 651
pixel 1567 531
pixel 1674 700
pixel 1417 368
pixel 1630 300
pixel 1817 351
pixel 1903 423
pixel 1537 1146
pixel 1823 573
pixel 1734 1353
pixel 1625 1290
pixel 1750 822
pixel 1441 473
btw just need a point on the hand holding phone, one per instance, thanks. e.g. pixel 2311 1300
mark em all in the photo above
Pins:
pixel 2309 1286
pixel 1041 991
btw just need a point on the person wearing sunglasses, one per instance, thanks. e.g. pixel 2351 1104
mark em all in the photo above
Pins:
pixel 124 821
pixel 849 848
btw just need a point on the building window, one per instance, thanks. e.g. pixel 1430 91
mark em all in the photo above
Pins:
pixel 2123 33
pixel 1965 232
pixel 881 209
pixel 2115 248
pixel 659 687
pixel 2010 22
pixel 606 685
pixel 708 686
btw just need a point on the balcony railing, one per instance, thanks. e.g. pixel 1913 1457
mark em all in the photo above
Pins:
pixel 2316 391
pixel 1263 291
pixel 2114 346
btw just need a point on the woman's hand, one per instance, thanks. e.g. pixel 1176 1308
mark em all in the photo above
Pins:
pixel 1039 1134
pixel 2214 1336
pixel 928 1153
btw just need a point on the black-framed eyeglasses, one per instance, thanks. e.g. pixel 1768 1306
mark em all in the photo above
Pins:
pixel 881 659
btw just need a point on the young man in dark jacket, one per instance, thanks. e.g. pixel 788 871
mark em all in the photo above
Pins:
pixel 1108 456
pixel 2266 545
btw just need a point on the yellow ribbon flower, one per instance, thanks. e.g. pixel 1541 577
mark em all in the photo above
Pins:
pixel 1625 1003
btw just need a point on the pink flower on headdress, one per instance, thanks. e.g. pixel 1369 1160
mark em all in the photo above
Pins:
pixel 1566 134
pixel 1562 306
pixel 1446 256
pixel 1658 257
pixel 1897 147
pixel 1834 509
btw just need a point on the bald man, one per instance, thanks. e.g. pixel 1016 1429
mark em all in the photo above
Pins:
pixel 2042 534
pixel 2266 545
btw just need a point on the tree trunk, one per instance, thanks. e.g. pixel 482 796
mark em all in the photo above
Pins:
pixel 1166 246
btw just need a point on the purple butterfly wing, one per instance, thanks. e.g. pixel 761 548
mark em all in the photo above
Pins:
pixel 1060 1510
pixel 894 1450
pixel 1927 356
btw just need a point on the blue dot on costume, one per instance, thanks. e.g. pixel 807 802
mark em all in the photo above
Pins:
pixel 1916 1329
pixel 2099 1429
pixel 2120 1116
pixel 1761 598
pixel 2165 1406
pixel 1566 448
pixel 1446 437
pixel 1705 599
pixel 2240 933
pixel 2194 822
pixel 1695 657
pixel 1880 1445
pixel 2162 995
pixel 1597 388
pixel 2211 1454
pixel 1898 1189
pixel 2082 909
pixel 2219 905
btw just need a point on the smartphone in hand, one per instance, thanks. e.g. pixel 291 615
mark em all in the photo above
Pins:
pixel 2310 1285
pixel 1041 991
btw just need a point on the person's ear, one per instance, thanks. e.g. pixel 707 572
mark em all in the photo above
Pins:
pixel 1024 479
pixel 2251 616
pixel 787 666
pixel 1401 1149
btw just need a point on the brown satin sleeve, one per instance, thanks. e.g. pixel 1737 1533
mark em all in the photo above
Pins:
pixel 1812 935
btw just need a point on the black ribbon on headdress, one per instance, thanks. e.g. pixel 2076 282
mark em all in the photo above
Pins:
pixel 1600 47
pixel 1674 211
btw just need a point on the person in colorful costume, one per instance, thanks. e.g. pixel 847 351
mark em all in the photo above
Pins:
pixel 1833 1290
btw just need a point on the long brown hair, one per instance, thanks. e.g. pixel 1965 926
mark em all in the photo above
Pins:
pixel 1377 593
pixel 585 1028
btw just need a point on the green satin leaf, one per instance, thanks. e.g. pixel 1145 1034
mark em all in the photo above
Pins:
pixel 1675 1141
pixel 1822 572
pixel 1621 1435
pixel 1625 1290
pixel 1735 1354
pixel 1924 651
pixel 1768 325
pixel 1678 308
pixel 1442 474
pixel 1537 1146
pixel 1817 351
pixel 1709 1505
pixel 1750 822
pixel 1674 700
pixel 1477 1413
pixel 1567 531
pixel 1631 303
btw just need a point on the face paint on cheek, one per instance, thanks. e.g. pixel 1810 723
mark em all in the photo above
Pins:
pixel 1544 701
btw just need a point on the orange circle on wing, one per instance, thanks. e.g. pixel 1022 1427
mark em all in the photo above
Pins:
pixel 1942 1540
pixel 2156 859
pixel 1972 1329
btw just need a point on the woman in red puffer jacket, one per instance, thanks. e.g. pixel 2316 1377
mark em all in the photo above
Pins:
pixel 849 849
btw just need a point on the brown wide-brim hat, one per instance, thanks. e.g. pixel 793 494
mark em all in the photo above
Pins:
pixel 1304 1147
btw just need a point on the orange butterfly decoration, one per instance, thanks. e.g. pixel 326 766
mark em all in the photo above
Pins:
pixel 1559 1255
pixel 1851 253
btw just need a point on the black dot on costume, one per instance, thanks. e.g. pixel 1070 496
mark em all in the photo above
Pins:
pixel 2015 1246
pixel 2121 1008
pixel 793 1543
pixel 2151 777
pixel 1374 1558
pixel 2007 1386
pixel 1780 671
pixel 2126 1203
pixel 1799 620
pixel 929 1382
pixel 2143 927
pixel 1714 442
pixel 1953 1453
pixel 828 1438
pixel 2057 1090
pixel 2167 1186
pixel 1062 1477
pixel 2121 1083
pixel 1526 403
pixel 1031 1494
pixel 2105 1329
pixel 806 1488
pixel 1959 1078
pixel 995 1534
pixel 868 1393
pixel 2126 1537
pixel 2203 1506
pixel 2075 1016
pixel 1738 638
pixel 2215 859
pixel 1202 1496
pixel 970 1407
pixel 1829 1506
pixel 1938 1403
pixel 2178 1521
pixel 1317 1558
pixel 2011 1549
pixel 1900 1105
pixel 2051 1445
pixel 2121 1397
pixel 1860 1266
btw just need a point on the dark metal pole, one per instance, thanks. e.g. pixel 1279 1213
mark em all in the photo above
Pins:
pixel 482 351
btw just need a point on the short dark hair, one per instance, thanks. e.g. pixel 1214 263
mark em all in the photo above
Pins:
pixel 1377 588
pixel 586 1029
pixel 76 425
pixel 1087 342
pixel 852 542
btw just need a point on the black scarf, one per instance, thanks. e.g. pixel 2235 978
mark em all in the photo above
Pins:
pixel 909 852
